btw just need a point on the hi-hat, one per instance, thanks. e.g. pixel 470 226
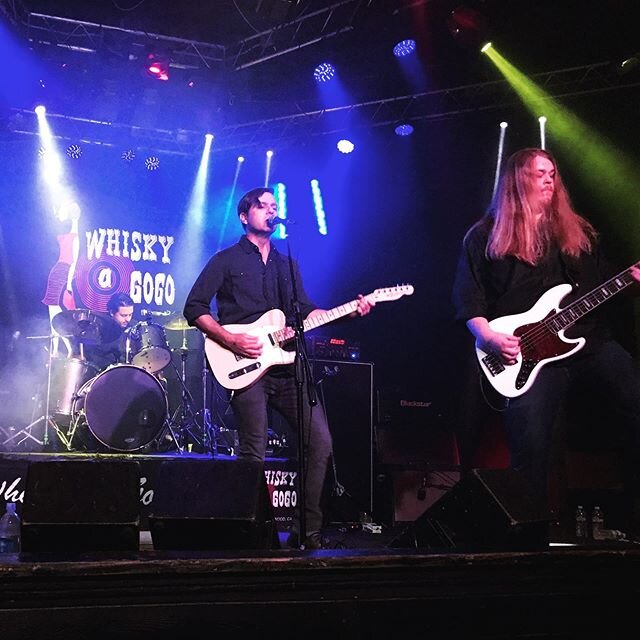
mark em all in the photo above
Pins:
pixel 178 324
pixel 86 326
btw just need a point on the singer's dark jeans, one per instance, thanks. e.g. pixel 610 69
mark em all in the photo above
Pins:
pixel 608 375
pixel 280 392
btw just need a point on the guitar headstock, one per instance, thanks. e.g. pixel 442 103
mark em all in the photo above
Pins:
pixel 392 293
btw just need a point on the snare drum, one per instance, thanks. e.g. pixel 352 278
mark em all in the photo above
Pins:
pixel 149 347
pixel 124 407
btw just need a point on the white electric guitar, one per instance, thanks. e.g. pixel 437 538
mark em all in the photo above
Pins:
pixel 541 333
pixel 235 372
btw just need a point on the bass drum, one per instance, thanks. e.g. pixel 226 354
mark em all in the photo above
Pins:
pixel 124 407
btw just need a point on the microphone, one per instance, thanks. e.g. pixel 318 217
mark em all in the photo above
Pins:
pixel 149 312
pixel 272 222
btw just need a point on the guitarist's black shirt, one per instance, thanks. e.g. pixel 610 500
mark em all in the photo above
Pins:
pixel 244 287
pixel 492 288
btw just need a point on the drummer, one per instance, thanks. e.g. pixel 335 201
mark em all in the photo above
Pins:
pixel 120 308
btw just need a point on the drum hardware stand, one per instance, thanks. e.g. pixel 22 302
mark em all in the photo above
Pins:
pixel 188 416
pixel 25 433
pixel 71 432
pixel 47 418
pixel 208 430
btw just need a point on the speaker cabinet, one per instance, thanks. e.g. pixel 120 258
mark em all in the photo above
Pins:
pixel 88 505
pixel 346 390
pixel 209 504
pixel 488 510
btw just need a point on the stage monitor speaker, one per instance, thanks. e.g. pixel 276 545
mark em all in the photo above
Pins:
pixel 210 504
pixel 488 510
pixel 346 389
pixel 81 505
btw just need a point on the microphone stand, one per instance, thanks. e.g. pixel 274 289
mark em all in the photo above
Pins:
pixel 302 373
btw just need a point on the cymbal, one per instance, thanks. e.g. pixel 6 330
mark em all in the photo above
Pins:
pixel 88 327
pixel 178 324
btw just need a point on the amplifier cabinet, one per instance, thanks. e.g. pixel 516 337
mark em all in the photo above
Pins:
pixel 346 391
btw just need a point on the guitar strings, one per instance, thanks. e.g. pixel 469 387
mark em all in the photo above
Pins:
pixel 532 337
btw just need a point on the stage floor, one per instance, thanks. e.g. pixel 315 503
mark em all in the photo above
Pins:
pixel 563 592
pixel 362 585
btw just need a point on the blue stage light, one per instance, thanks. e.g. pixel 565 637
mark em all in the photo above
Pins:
pixel 345 146
pixel 152 163
pixel 404 48
pixel 404 130
pixel 324 72
pixel 74 151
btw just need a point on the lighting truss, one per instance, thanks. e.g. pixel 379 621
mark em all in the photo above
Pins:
pixel 301 32
pixel 89 37
pixel 431 105
pixel 427 106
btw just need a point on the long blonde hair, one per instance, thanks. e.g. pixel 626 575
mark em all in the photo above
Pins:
pixel 515 231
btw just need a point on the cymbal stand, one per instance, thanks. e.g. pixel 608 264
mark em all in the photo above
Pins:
pixel 47 418
pixel 190 431
pixel 207 428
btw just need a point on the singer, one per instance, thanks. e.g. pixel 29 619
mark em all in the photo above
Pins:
pixel 248 279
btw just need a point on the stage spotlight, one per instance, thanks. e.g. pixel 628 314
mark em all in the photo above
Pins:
pixel 404 48
pixel 157 66
pixel 152 163
pixel 543 136
pixel 128 155
pixel 42 152
pixel 324 72
pixel 74 151
pixel 208 136
pixel 269 153
pixel 628 64
pixel 240 158
pixel 40 110
pixel 345 146
pixel 321 216
pixel 504 125
pixel 485 47
pixel 404 130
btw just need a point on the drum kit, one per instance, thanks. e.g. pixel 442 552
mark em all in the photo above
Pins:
pixel 125 407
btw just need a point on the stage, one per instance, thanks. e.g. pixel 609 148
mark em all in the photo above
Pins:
pixel 367 583
pixel 563 592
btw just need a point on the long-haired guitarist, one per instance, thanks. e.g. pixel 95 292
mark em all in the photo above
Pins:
pixel 248 280
pixel 531 240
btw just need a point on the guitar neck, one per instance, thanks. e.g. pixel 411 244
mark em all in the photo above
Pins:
pixel 590 301
pixel 282 335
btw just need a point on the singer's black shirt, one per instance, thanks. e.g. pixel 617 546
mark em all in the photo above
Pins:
pixel 244 287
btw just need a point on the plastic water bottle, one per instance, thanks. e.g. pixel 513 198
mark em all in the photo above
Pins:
pixel 10 530
pixel 597 523
pixel 581 523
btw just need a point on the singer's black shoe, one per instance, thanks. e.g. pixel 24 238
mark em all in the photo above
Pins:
pixel 312 541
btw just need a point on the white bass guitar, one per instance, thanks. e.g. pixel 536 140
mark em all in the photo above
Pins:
pixel 541 333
